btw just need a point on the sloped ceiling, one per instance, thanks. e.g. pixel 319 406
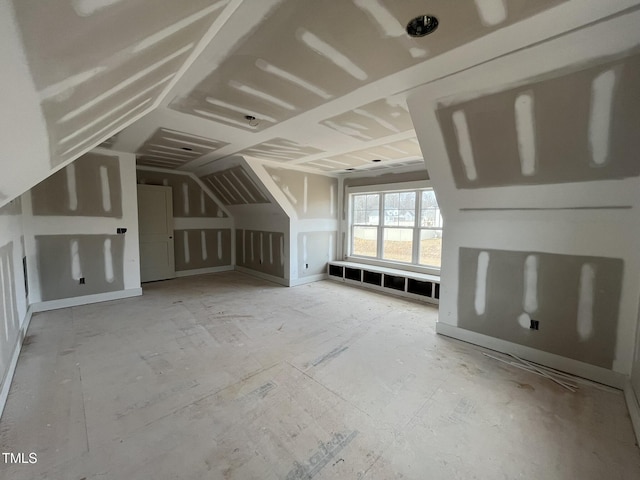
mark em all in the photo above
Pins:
pixel 323 82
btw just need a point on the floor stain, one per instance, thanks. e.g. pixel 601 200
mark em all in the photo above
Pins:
pixel 525 386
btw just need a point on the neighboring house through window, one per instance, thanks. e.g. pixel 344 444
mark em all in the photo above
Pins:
pixel 395 226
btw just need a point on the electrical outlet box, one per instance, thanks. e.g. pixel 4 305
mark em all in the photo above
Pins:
pixel 81 281
pixel 535 325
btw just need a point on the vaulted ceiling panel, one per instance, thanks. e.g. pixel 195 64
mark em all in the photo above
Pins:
pixel 381 155
pixel 233 186
pixel 309 52
pixel 172 149
pixel 375 120
pixel 98 63
pixel 280 149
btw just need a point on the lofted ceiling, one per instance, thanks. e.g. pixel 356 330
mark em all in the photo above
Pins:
pixel 291 63
pixel 319 85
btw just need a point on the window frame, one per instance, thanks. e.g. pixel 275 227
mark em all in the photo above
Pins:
pixel 378 260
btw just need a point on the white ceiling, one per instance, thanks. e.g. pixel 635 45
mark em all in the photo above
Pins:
pixel 326 80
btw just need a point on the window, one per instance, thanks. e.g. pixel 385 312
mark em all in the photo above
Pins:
pixel 397 226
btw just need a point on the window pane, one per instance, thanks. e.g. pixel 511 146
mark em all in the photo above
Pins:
pixel 430 247
pixel 391 201
pixel 407 201
pixel 430 213
pixel 359 202
pixel 373 202
pixel 365 241
pixel 359 217
pixel 406 218
pixel 373 210
pixel 398 244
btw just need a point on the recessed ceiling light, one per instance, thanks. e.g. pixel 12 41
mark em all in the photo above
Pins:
pixel 350 169
pixel 422 25
pixel 188 149
pixel 253 122
pixel 376 160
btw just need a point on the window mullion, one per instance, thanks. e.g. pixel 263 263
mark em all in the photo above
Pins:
pixel 416 228
pixel 380 225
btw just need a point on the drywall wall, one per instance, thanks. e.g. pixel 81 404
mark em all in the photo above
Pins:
pixel 261 251
pixel 13 296
pixel 74 253
pixel 550 129
pixel 189 198
pixel 262 225
pixel 90 188
pixel 575 299
pixel 592 218
pixel 312 201
pixel 309 194
pixel 199 248
pixel 203 228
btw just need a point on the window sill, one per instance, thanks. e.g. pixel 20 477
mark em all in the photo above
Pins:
pixel 403 267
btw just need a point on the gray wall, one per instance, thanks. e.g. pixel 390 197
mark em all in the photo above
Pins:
pixel 576 300
pixel 71 221
pixel 261 251
pixel 563 141
pixel 196 217
pixel 63 260
pixel 89 187
pixel 189 199
pixel 311 195
pixel 202 248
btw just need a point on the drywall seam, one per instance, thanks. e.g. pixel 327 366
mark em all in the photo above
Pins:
pixel 202 185
pixel 25 151
pixel 575 367
pixel 256 169
pixel 199 48
pixel 8 378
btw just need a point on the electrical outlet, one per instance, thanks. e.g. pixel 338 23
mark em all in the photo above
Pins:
pixel 81 281
pixel 535 325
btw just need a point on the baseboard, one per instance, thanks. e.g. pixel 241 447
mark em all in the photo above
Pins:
pixel 633 405
pixel 204 271
pixel 574 367
pixel 8 378
pixel 309 279
pixel 85 300
pixel 263 276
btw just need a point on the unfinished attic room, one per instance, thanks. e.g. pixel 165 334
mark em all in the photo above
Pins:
pixel 320 239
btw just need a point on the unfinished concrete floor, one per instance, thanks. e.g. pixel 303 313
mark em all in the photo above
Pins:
pixel 229 377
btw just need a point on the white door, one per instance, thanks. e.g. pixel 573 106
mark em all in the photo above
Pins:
pixel 155 218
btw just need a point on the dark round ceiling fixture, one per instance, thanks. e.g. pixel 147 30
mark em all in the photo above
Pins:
pixel 188 149
pixel 422 25
pixel 376 160
pixel 253 122
pixel 350 169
